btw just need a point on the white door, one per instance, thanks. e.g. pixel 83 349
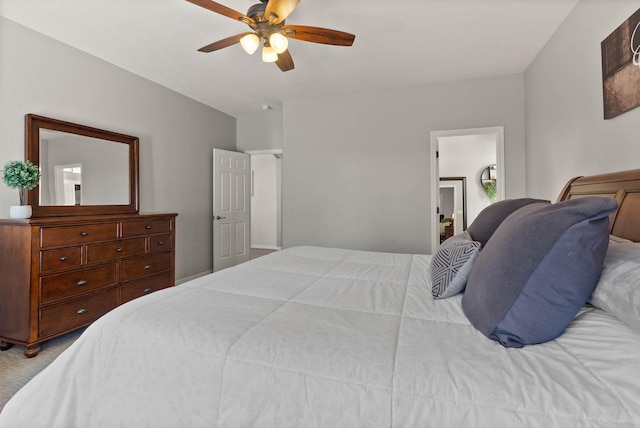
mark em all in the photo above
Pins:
pixel 231 208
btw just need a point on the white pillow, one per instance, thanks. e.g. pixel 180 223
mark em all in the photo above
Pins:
pixel 618 239
pixel 618 291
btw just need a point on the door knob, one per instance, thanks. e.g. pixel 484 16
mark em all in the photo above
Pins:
pixel 219 218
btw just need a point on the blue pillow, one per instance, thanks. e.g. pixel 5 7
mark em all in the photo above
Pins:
pixel 538 270
pixel 488 220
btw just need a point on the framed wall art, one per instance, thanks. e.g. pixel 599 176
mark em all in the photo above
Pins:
pixel 621 68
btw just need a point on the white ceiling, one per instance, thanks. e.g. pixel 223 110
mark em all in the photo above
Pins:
pixel 398 43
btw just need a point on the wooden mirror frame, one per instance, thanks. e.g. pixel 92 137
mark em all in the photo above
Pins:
pixel 33 124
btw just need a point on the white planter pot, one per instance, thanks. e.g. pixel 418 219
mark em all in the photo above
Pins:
pixel 20 211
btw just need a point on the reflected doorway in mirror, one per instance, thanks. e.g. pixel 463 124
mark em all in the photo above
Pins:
pixel 68 181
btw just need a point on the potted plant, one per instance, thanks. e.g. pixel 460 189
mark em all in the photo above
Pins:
pixel 490 189
pixel 24 176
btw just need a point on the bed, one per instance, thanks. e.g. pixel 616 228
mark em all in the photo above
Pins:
pixel 326 337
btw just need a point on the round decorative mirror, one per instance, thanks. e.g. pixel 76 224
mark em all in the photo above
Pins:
pixel 488 182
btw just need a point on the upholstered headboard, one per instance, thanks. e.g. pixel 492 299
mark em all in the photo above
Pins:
pixel 622 186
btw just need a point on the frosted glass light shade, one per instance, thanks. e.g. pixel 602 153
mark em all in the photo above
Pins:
pixel 250 43
pixel 269 54
pixel 278 42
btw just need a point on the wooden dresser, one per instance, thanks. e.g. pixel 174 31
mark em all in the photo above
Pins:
pixel 58 274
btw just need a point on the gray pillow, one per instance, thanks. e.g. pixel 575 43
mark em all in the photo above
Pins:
pixel 537 270
pixel 488 220
pixel 451 264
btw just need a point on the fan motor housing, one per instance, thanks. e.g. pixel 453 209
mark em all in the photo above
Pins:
pixel 256 12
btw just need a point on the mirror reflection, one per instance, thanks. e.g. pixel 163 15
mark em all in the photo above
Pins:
pixel 80 170
pixel 453 206
pixel 67 184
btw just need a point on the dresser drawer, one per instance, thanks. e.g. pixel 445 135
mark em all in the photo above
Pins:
pixel 75 313
pixel 145 227
pixel 56 287
pixel 115 250
pixel 50 236
pixel 143 266
pixel 139 288
pixel 62 258
pixel 160 243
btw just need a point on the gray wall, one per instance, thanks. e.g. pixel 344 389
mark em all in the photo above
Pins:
pixel 566 133
pixel 356 167
pixel 262 131
pixel 40 75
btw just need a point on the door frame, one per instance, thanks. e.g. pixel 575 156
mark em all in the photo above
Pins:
pixel 498 132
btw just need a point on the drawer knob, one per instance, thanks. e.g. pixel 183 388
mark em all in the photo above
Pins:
pixel 147 290
pixel 148 226
pixel 118 250
pixel 84 233
pixel 160 242
pixel 148 266
pixel 63 258
pixel 83 282
pixel 82 311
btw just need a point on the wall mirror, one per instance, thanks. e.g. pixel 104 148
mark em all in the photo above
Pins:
pixel 85 170
pixel 488 181
pixel 488 174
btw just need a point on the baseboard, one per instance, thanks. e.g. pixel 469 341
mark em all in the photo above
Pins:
pixel 189 278
pixel 266 247
pixel 198 275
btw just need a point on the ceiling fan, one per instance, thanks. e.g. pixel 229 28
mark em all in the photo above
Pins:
pixel 266 20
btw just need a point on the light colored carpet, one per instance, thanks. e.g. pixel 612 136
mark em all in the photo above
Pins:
pixel 16 369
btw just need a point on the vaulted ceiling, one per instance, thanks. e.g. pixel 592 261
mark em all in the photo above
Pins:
pixel 398 43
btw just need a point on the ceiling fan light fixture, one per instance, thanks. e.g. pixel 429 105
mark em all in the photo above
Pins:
pixel 267 27
pixel 250 43
pixel 278 42
pixel 269 54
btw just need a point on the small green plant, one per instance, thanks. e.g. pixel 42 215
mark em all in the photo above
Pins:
pixel 490 189
pixel 21 175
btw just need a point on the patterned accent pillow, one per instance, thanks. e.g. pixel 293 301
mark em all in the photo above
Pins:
pixel 451 265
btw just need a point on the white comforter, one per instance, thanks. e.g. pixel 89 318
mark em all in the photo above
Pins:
pixel 316 337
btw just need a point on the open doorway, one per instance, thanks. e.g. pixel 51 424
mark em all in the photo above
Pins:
pixel 266 200
pixel 469 154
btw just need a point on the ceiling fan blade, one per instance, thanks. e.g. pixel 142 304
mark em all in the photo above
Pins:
pixel 285 62
pixel 318 35
pixel 280 9
pixel 222 10
pixel 223 43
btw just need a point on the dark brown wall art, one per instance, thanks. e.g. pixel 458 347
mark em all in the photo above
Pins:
pixel 621 68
